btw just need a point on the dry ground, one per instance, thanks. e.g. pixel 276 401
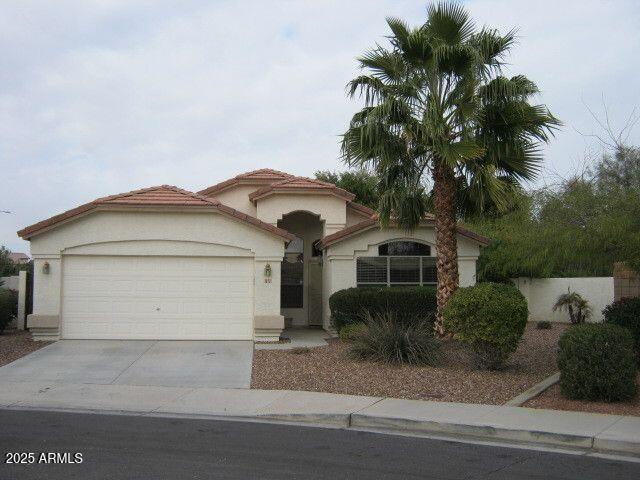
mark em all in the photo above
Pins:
pixel 15 344
pixel 328 369
pixel 553 399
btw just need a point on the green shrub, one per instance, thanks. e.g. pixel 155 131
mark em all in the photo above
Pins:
pixel 626 313
pixel 596 362
pixel 8 307
pixel 383 338
pixel 490 318
pixel 544 325
pixel 347 332
pixel 406 304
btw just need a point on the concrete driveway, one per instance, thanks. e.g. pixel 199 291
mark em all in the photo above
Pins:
pixel 192 364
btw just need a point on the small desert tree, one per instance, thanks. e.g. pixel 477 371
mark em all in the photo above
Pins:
pixel 578 308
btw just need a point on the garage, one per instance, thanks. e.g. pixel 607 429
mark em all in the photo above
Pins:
pixel 157 297
pixel 159 263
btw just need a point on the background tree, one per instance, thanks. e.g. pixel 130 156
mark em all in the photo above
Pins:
pixel 7 266
pixel 578 227
pixel 437 108
pixel 359 182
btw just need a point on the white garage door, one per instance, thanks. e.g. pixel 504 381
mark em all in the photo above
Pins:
pixel 172 298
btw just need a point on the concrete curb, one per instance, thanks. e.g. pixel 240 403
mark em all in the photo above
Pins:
pixel 585 432
pixel 599 444
pixel 534 391
pixel 475 432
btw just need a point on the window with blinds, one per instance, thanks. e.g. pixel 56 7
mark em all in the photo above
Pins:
pixel 389 271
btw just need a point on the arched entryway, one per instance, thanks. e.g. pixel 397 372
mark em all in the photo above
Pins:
pixel 301 274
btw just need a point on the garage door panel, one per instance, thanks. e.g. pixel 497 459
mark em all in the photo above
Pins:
pixel 157 297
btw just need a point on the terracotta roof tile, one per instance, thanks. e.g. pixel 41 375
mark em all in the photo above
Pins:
pixel 263 175
pixel 163 195
pixel 373 222
pixel 346 232
pixel 301 184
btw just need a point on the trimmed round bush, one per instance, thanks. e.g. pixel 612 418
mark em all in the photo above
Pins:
pixel 383 338
pixel 8 307
pixel 406 304
pixel 626 313
pixel 596 362
pixel 490 318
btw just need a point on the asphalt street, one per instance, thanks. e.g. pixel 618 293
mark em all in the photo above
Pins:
pixel 137 447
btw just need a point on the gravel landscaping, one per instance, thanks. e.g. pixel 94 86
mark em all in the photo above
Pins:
pixel 553 399
pixel 17 343
pixel 328 369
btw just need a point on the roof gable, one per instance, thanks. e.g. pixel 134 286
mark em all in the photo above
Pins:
pixel 160 195
pixel 255 177
pixel 373 222
pixel 301 184
pixel 163 196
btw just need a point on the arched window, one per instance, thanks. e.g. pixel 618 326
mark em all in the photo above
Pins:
pixel 402 248
pixel 399 263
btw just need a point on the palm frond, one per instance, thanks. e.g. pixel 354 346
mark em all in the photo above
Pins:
pixel 492 48
pixel 456 153
pixel 373 89
pixel 449 23
pixel 386 65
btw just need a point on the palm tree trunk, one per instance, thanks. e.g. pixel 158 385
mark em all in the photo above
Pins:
pixel 446 237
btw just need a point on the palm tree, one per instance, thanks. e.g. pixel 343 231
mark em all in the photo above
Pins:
pixel 578 308
pixel 438 111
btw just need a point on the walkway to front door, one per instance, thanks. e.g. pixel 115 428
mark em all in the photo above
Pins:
pixel 300 338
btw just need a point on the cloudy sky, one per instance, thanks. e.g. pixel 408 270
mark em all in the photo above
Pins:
pixel 105 96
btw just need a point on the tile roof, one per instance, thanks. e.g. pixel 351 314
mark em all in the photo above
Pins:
pixel 302 184
pixel 264 175
pixel 163 195
pixel 373 222
pixel 18 256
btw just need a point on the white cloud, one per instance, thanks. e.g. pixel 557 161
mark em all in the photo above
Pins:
pixel 106 96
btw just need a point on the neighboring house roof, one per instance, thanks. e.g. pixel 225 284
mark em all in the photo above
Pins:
pixel 373 222
pixel 17 257
pixel 255 177
pixel 301 184
pixel 161 196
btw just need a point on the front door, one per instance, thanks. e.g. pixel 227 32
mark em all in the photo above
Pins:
pixel 292 283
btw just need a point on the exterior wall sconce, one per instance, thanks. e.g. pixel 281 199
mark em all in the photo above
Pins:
pixel 45 268
pixel 267 273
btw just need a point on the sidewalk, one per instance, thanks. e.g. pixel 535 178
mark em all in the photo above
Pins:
pixel 582 431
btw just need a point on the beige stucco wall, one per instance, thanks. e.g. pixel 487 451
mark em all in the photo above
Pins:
pixel 237 197
pixel 354 217
pixel 155 233
pixel 332 210
pixel 542 294
pixel 340 259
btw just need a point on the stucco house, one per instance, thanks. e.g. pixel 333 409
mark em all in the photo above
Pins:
pixel 238 260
